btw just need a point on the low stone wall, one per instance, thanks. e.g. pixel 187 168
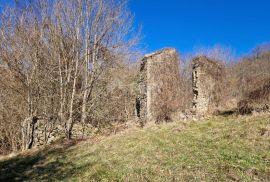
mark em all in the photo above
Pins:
pixel 38 132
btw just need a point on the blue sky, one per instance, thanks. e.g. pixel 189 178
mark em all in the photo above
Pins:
pixel 187 24
pixel 5 2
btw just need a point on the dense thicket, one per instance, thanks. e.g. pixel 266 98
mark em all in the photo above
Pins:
pixel 62 63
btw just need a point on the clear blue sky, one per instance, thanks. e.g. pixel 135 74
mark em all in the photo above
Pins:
pixel 186 24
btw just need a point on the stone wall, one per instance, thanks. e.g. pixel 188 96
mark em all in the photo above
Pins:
pixel 159 85
pixel 38 132
pixel 207 77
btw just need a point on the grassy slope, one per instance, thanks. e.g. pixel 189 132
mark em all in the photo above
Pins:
pixel 218 149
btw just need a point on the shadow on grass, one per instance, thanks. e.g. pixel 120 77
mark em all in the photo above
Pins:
pixel 34 166
pixel 227 113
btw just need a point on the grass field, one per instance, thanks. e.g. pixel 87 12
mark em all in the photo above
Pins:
pixel 216 149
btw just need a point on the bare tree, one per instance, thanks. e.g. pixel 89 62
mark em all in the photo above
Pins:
pixel 60 56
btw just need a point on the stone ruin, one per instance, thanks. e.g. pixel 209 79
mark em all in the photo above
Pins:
pixel 38 131
pixel 158 96
pixel 206 83
pixel 159 84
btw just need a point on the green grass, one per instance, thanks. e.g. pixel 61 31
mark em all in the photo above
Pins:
pixel 217 149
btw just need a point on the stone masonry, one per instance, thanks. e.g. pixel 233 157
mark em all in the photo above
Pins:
pixel 38 132
pixel 158 98
pixel 206 79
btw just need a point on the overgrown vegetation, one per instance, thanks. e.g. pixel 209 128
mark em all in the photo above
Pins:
pixel 62 64
pixel 243 77
pixel 215 149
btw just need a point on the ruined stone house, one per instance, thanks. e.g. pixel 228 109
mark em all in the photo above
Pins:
pixel 158 86
pixel 207 81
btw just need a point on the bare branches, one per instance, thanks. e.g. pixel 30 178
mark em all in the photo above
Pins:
pixel 59 55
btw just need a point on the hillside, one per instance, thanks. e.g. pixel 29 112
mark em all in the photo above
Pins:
pixel 216 149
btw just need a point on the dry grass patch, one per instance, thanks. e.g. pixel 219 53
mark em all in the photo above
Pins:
pixel 217 149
